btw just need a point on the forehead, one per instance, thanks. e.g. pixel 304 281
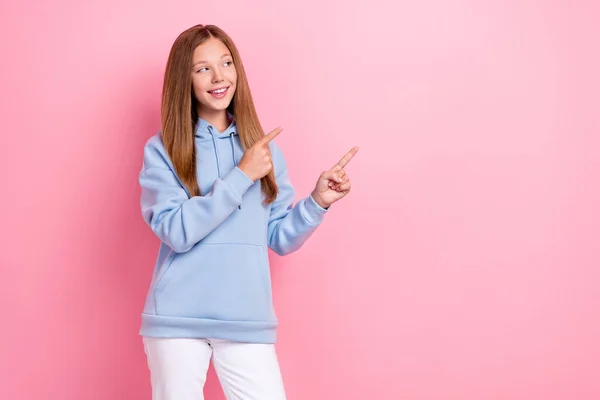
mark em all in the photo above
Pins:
pixel 212 49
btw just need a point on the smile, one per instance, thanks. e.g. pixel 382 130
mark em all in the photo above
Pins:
pixel 219 91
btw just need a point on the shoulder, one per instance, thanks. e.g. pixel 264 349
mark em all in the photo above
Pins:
pixel 155 154
pixel 277 156
pixel 154 143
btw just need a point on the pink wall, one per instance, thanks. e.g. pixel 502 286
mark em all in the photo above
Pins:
pixel 464 265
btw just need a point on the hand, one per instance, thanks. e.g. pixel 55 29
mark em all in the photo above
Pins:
pixel 333 184
pixel 256 161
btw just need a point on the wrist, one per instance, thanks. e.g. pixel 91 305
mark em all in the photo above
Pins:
pixel 252 178
pixel 319 201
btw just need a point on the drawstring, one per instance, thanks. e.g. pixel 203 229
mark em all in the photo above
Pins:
pixel 217 153
pixel 233 155
pixel 232 147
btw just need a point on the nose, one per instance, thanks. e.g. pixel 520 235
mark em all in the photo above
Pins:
pixel 217 75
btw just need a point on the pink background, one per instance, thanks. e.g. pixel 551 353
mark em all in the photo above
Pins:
pixel 464 264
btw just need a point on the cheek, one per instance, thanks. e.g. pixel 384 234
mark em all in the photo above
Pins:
pixel 232 76
pixel 198 85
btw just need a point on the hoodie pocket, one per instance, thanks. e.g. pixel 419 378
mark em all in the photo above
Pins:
pixel 228 282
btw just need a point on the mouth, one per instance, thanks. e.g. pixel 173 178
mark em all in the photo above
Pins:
pixel 219 93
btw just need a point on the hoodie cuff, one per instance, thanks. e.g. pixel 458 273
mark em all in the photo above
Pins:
pixel 238 181
pixel 312 212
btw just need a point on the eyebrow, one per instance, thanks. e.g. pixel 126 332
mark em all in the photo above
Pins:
pixel 203 62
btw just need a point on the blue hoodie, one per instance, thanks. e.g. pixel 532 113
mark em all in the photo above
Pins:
pixel 212 276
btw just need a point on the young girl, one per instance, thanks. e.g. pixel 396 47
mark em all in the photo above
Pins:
pixel 216 191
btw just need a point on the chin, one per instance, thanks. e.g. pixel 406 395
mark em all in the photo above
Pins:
pixel 218 105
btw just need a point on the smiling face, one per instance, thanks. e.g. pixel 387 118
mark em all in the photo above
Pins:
pixel 214 77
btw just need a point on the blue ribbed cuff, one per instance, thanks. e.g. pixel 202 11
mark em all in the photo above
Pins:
pixel 311 211
pixel 238 181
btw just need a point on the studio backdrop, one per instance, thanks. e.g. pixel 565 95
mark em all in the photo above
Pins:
pixel 463 264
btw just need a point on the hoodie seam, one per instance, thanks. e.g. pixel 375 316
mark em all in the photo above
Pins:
pixel 213 319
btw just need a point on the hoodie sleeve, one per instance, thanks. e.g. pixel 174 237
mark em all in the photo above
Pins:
pixel 178 220
pixel 290 225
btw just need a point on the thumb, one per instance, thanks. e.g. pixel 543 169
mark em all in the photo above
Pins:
pixel 331 176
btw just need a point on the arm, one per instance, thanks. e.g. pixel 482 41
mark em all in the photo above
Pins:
pixel 290 226
pixel 178 220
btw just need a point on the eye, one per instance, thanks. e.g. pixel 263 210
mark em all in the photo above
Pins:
pixel 228 63
pixel 202 69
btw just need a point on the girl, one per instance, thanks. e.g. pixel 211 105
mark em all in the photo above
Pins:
pixel 216 191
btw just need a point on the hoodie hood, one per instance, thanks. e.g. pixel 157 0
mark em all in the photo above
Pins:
pixel 208 135
pixel 206 131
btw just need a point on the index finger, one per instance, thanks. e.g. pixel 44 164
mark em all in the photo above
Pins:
pixel 270 136
pixel 346 159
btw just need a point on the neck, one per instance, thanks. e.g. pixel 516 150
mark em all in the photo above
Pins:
pixel 218 119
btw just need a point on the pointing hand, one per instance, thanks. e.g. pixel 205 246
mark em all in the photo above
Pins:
pixel 333 184
pixel 256 161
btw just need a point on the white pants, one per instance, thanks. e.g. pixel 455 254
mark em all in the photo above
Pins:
pixel 246 371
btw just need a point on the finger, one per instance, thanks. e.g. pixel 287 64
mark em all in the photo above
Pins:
pixel 270 136
pixel 337 186
pixel 331 176
pixel 346 159
pixel 343 187
pixel 345 179
pixel 266 154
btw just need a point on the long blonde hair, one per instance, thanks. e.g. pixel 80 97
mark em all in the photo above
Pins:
pixel 179 114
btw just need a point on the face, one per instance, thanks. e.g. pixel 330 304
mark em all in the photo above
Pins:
pixel 213 76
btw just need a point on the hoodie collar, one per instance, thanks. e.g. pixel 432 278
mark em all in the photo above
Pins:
pixel 205 130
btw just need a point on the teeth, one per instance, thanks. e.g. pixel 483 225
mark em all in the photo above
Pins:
pixel 219 91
